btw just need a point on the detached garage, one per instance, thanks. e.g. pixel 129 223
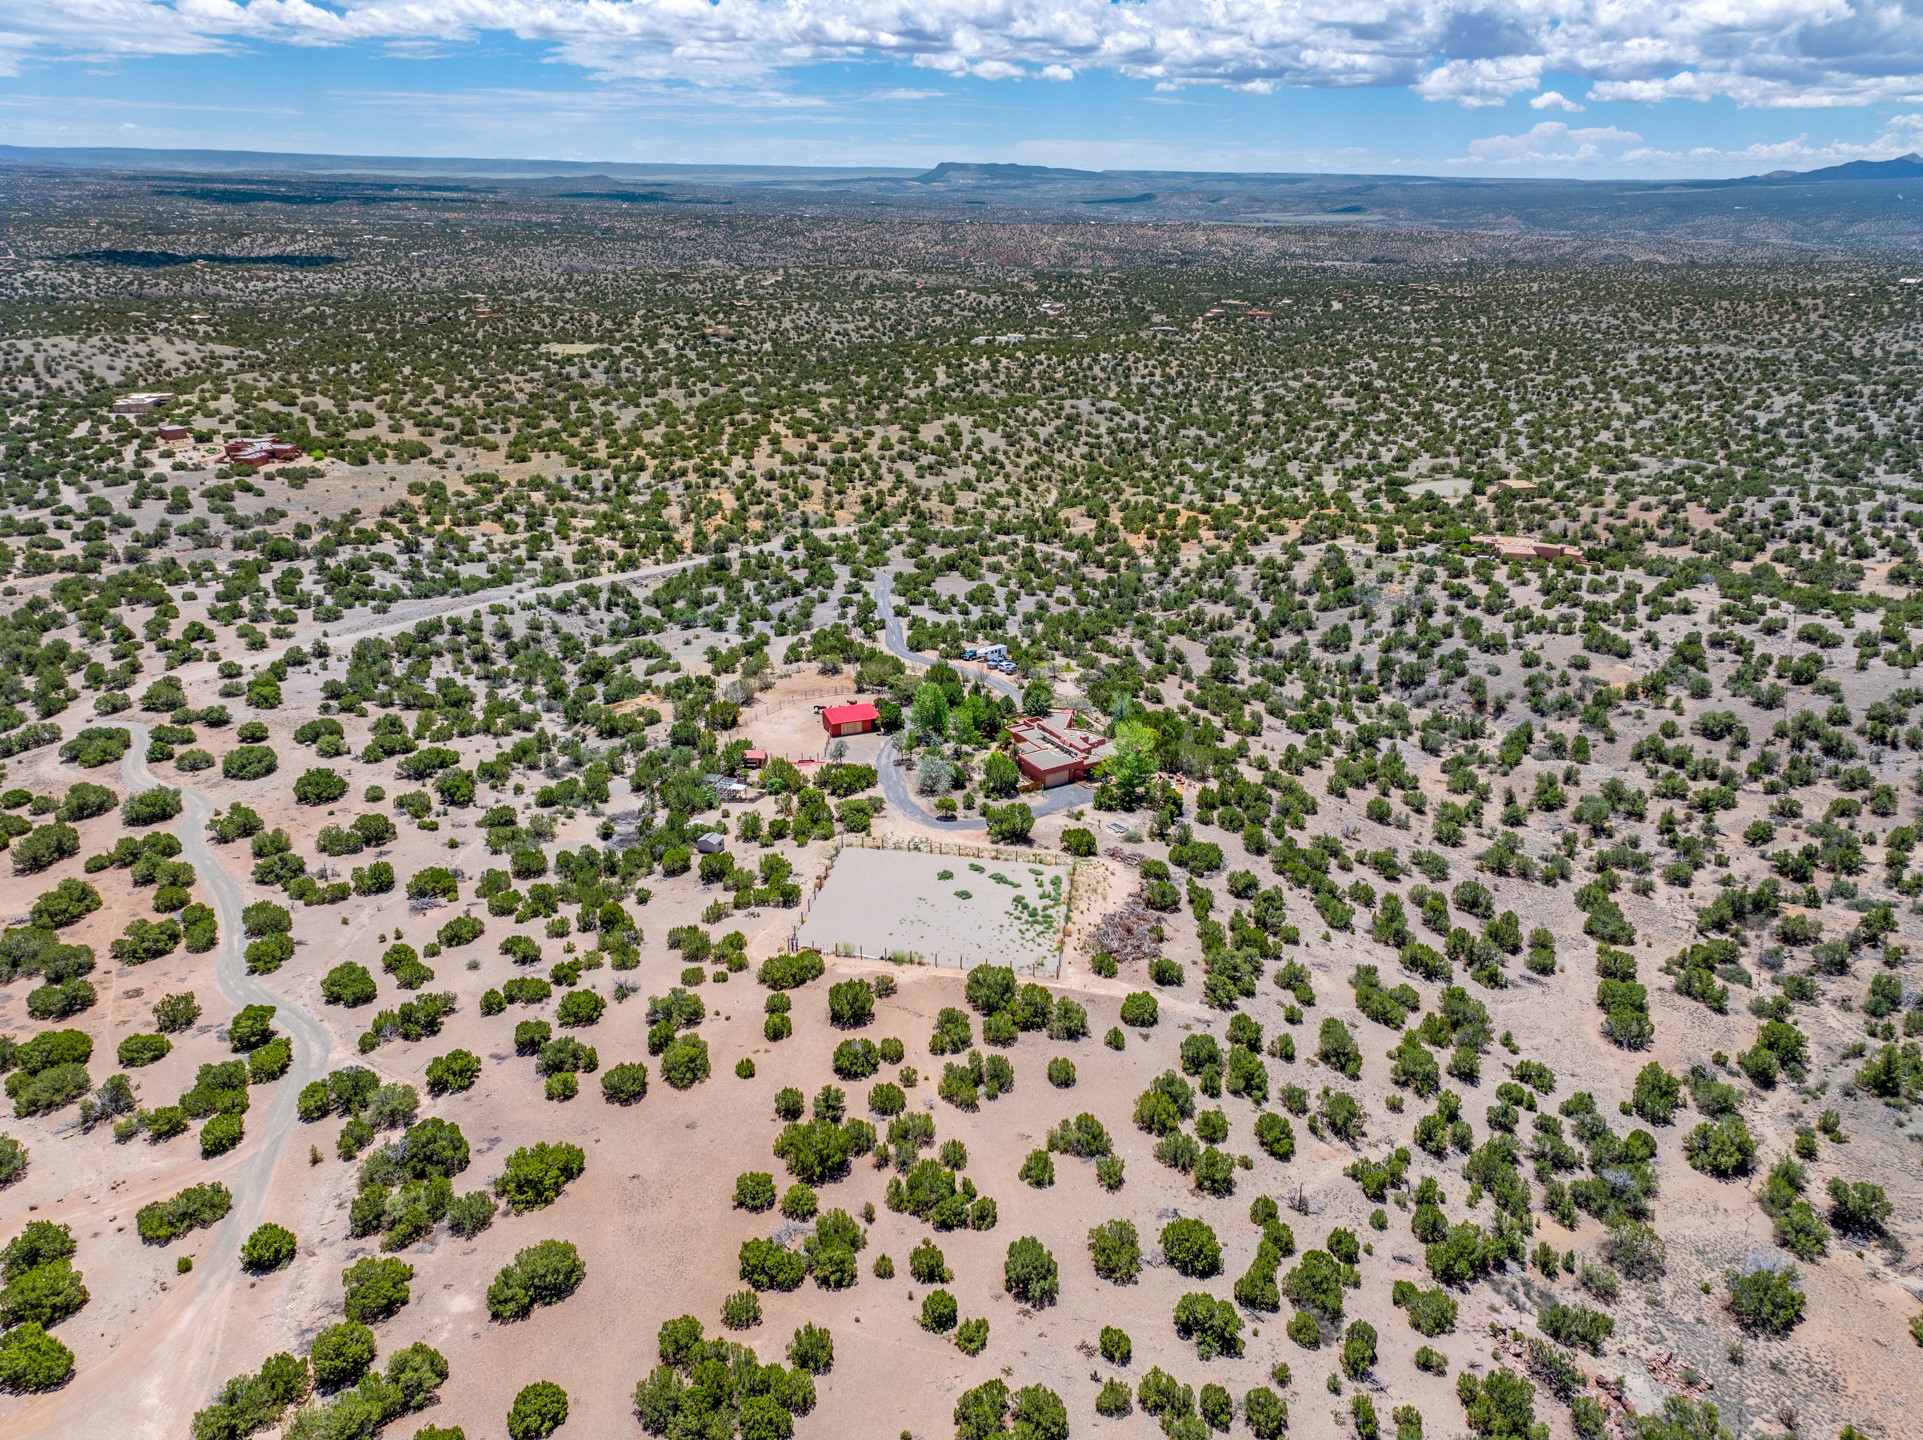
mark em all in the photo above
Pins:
pixel 850 719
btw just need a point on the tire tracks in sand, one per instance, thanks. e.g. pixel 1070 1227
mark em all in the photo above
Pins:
pixel 151 1385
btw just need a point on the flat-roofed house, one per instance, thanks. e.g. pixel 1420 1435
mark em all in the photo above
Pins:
pixel 141 401
pixel 1521 547
pixel 1054 749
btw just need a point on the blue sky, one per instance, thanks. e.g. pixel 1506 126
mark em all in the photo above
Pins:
pixel 1500 87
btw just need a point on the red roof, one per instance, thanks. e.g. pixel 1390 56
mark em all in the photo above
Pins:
pixel 850 714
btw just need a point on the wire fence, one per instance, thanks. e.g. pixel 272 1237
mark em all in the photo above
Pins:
pixel 1047 969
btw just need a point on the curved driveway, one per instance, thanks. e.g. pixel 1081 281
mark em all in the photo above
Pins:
pixel 894 780
pixel 894 638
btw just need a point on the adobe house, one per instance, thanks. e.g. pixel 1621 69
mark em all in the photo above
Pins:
pixel 1053 750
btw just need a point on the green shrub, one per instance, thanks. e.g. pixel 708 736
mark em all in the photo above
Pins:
pixel 97 745
pixel 939 1312
pixel 222 1132
pixel 543 1274
pixel 319 786
pixel 68 903
pixel 535 1175
pixel 270 1247
pixel 685 1062
pixel 580 1008
pixel 461 930
pixel 163 1221
pixel 537 1412
pixel 252 1028
pixel 1214 1325
pixel 249 762
pixel 151 807
pixel 741 1310
pixel 1116 1252
pixel 1140 1010
pixel 1722 1148
pixel 375 1288
pixel 1029 1272
pixel 851 1003
pixel 468 1215
pixel 767 1265
pixel 1191 1248
pixel 31 1360
pixel 754 1191
pixel 44 846
pixel 625 1084
pixel 341 1354
pixel 349 984
pixel 1576 1326
pixel 812 1349
pixel 1767 1299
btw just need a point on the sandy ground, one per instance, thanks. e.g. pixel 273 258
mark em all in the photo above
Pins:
pixel 882 902
pixel 651 1214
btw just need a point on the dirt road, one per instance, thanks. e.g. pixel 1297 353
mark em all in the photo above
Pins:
pixel 152 1389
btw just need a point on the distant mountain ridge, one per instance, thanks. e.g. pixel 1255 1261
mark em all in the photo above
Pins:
pixel 949 174
pixel 1903 167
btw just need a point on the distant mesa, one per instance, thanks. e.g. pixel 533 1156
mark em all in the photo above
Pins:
pixel 163 259
pixel 962 172
pixel 641 197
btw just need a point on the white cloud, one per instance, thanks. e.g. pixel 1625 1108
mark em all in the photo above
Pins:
pixel 1552 142
pixel 1555 100
pixel 1060 74
pixel 1477 84
pixel 1554 145
pixel 1774 53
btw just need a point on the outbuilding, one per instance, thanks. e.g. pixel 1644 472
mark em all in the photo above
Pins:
pixel 856 719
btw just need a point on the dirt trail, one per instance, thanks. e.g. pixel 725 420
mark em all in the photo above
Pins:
pixel 407 613
pixel 152 1389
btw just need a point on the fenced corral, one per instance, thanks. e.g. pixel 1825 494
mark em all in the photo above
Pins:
pixel 883 898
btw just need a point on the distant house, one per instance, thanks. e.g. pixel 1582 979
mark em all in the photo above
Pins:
pixel 261 450
pixel 1519 547
pixel 141 402
pixel 175 432
pixel 1054 749
pixel 755 759
pixel 857 719
pixel 710 844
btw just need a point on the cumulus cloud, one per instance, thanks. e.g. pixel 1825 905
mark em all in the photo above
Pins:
pixel 1476 84
pixel 1555 145
pixel 1777 53
pixel 1554 100
pixel 1554 142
